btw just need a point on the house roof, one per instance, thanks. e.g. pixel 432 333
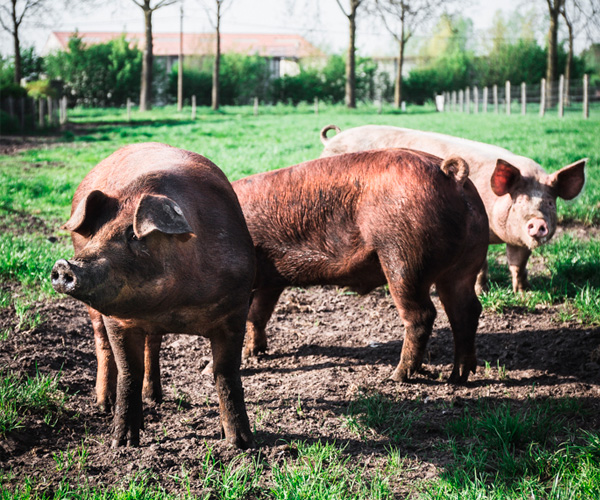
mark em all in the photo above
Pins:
pixel 167 44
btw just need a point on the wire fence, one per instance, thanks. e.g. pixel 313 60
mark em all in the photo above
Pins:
pixel 558 97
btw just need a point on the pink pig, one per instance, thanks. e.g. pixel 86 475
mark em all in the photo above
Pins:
pixel 519 196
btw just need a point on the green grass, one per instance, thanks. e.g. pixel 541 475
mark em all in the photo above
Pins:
pixel 21 395
pixel 531 452
pixel 571 277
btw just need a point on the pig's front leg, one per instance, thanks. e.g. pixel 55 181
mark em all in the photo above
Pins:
pixel 517 264
pixel 128 347
pixel 106 376
pixel 227 356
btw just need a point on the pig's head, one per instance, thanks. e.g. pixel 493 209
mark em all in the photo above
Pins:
pixel 525 213
pixel 122 252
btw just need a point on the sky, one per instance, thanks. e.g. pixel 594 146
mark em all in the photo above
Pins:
pixel 320 21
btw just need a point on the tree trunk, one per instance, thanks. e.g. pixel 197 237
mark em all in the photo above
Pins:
pixel 18 65
pixel 217 65
pixel 554 10
pixel 398 83
pixel 16 44
pixel 351 62
pixel 568 64
pixel 147 61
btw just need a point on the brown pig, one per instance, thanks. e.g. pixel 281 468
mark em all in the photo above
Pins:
pixel 361 220
pixel 161 246
pixel 519 197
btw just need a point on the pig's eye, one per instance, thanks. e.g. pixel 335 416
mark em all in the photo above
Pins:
pixel 131 234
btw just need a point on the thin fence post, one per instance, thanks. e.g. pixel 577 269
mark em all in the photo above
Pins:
pixel 454 101
pixel 476 99
pixel 316 105
pixel 468 99
pixel 586 101
pixel 128 109
pixel 461 100
pixel 11 106
pixel 485 99
pixel 523 98
pixel 543 97
pixel 561 96
pixel 507 96
pixel 22 113
pixel 495 96
pixel 194 107
pixel 41 113
pixel 255 106
pixel 49 100
pixel 63 110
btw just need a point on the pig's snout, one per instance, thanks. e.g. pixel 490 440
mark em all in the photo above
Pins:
pixel 63 277
pixel 537 228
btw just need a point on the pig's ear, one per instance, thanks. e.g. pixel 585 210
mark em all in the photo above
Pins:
pixel 504 178
pixel 87 213
pixel 569 180
pixel 159 213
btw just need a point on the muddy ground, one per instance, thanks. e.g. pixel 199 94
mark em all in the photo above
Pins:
pixel 325 346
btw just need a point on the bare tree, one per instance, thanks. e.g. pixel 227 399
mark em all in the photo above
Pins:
pixel 554 9
pixel 351 60
pixel 580 16
pixel 148 58
pixel 12 15
pixel 215 16
pixel 401 18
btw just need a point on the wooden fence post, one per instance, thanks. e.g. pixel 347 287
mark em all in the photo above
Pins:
pixel 468 99
pixel 561 96
pixel 507 96
pixel 22 113
pixel 586 101
pixel 41 113
pixel 194 107
pixel 523 98
pixel 495 96
pixel 255 106
pixel 454 101
pixel 461 100
pixel 317 105
pixel 485 99
pixel 476 99
pixel 543 97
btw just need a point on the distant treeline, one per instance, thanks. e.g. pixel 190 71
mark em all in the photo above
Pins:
pixel 108 74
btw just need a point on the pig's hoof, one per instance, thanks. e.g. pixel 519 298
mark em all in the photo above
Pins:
pixel 253 350
pixel 460 376
pixel 400 375
pixel 242 442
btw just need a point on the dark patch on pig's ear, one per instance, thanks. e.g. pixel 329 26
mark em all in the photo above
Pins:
pixel 456 168
pixel 88 213
pixel 159 213
pixel 504 178
pixel 568 181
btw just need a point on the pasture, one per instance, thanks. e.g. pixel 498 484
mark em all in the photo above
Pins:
pixel 328 422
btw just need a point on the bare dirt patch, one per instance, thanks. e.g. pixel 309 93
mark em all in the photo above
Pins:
pixel 325 346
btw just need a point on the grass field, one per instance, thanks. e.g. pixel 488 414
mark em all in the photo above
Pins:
pixel 540 445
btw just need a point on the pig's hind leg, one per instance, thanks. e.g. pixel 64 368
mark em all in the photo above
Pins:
pixel 411 296
pixel 463 308
pixel 261 309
